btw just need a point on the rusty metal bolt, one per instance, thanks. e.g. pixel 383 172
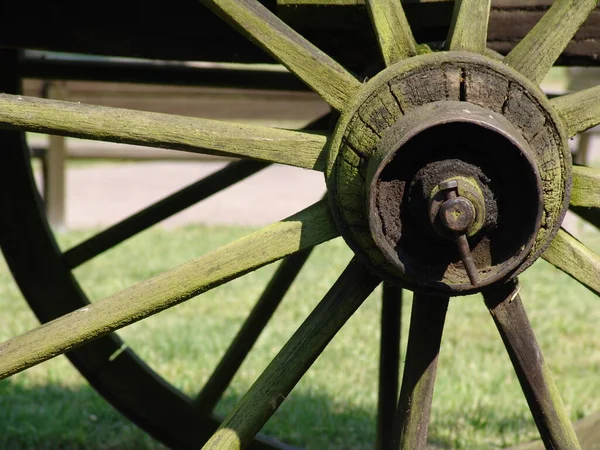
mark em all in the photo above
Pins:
pixel 457 214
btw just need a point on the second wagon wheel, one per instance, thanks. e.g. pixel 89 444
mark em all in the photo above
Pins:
pixel 448 173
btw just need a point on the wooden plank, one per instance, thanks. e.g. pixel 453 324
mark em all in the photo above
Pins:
pixel 420 367
pixel 304 230
pixel 575 259
pixel 579 111
pixel 468 30
pixel 539 50
pixel 542 395
pixel 328 78
pixel 54 167
pixel 586 187
pixel 294 359
pixel 301 149
pixel 389 364
pixel 393 32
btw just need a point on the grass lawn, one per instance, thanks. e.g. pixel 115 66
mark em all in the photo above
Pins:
pixel 477 401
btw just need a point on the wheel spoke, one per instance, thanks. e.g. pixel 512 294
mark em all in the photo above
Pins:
pixel 392 29
pixel 586 187
pixel 579 111
pixel 262 312
pixel 469 27
pixel 575 259
pixel 293 148
pixel 295 358
pixel 329 79
pixel 306 229
pixel 424 339
pixel 534 375
pixel 161 210
pixel 389 364
pixel 537 52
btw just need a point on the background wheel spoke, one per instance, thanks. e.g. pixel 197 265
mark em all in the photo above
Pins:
pixel 420 367
pixel 534 376
pixel 537 52
pixel 579 111
pixel 243 342
pixel 586 187
pixel 306 229
pixel 389 364
pixel 469 27
pixel 161 210
pixel 394 35
pixel 329 79
pixel 295 358
pixel 575 259
pixel 293 148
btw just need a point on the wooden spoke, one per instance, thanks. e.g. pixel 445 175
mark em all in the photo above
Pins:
pixel 295 358
pixel 534 376
pixel 537 52
pixel 469 27
pixel 424 339
pixel 575 259
pixel 329 79
pixel 160 210
pixel 306 229
pixel 586 187
pixel 392 29
pixel 389 364
pixel 293 148
pixel 579 111
pixel 262 312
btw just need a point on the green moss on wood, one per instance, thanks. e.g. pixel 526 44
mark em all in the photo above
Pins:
pixel 579 111
pixel 306 229
pixel 468 30
pixel 537 52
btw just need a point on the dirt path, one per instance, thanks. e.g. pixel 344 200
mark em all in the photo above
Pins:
pixel 103 194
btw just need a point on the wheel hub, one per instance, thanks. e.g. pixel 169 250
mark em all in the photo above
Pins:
pixel 450 173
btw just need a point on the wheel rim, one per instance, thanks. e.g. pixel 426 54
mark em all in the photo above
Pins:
pixel 528 63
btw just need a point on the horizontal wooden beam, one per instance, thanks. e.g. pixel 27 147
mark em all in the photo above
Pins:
pixel 344 32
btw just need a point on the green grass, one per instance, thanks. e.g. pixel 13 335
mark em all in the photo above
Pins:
pixel 477 402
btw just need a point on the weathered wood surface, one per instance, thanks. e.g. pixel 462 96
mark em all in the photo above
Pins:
pixel 586 187
pixel 295 358
pixel 145 28
pixel 389 364
pixel 542 395
pixel 575 259
pixel 579 111
pixel 327 77
pixel 539 50
pixel 424 339
pixel 393 32
pixel 301 149
pixel 306 229
pixel 469 27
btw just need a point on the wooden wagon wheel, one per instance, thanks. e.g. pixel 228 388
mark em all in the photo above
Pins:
pixel 448 173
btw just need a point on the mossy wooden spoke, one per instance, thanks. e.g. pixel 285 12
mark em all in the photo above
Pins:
pixel 579 111
pixel 160 210
pixel 469 27
pixel 328 78
pixel 295 358
pixel 389 364
pixel 294 148
pixel 393 32
pixel 420 367
pixel 262 312
pixel 537 52
pixel 586 187
pixel 534 375
pixel 306 229
pixel 575 259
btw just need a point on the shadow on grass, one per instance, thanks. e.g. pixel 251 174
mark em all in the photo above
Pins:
pixel 57 417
